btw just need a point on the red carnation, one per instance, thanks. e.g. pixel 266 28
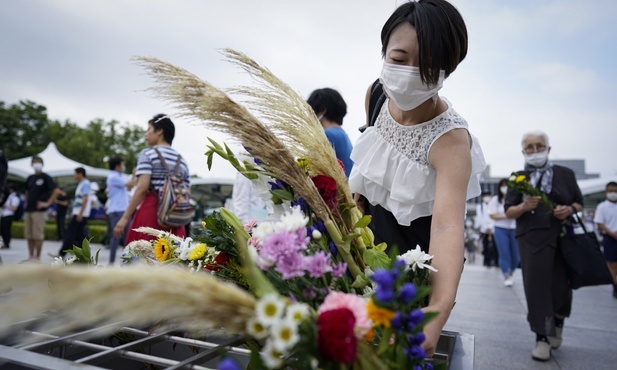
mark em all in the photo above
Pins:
pixel 327 189
pixel 220 260
pixel 337 341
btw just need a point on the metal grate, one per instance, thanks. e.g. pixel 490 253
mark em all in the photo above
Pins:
pixel 128 348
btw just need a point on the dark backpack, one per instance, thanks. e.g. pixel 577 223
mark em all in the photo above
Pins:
pixel 19 212
pixel 175 208
pixel 375 103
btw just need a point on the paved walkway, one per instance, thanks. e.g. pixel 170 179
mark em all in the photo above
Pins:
pixel 496 316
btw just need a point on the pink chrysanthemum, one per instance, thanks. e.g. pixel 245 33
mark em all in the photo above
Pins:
pixel 356 304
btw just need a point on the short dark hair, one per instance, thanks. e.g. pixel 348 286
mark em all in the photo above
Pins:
pixel 612 183
pixel 442 35
pixel 163 122
pixel 502 182
pixel 114 162
pixel 36 158
pixel 329 102
pixel 81 170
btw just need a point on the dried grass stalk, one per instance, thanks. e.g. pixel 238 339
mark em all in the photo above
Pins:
pixel 290 117
pixel 198 100
pixel 84 296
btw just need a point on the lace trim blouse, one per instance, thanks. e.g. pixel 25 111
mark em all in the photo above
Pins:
pixel 389 155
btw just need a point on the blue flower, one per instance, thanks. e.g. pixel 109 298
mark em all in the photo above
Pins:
pixel 333 249
pixel 384 294
pixel 428 366
pixel 384 278
pixel 228 364
pixel 320 226
pixel 278 184
pixel 398 322
pixel 407 293
pixel 416 352
pixel 416 316
pixel 300 202
pixel 417 339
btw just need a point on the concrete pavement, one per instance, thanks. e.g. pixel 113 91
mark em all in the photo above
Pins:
pixel 495 315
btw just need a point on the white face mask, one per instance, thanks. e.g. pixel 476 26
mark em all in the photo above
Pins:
pixel 537 159
pixel 503 190
pixel 486 199
pixel 611 196
pixel 404 86
pixel 37 167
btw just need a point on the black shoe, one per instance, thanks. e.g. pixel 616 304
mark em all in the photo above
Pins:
pixel 614 291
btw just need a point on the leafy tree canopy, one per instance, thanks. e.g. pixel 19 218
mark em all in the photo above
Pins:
pixel 25 130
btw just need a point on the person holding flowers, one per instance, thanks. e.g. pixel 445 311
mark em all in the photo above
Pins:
pixel 418 164
pixel 539 221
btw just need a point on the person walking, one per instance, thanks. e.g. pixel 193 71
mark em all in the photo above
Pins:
pixel 486 227
pixel 9 208
pixel 504 234
pixel 117 202
pixel 606 219
pixel 151 176
pixel 41 192
pixel 62 205
pixel 330 108
pixel 547 291
pixel 418 164
pixel 76 230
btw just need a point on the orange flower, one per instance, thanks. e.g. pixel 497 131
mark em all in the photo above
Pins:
pixel 379 315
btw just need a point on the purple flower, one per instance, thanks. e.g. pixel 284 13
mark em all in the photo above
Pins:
pixel 309 293
pixel 339 269
pixel 228 364
pixel 317 264
pixel 417 339
pixel 384 278
pixel 290 265
pixel 278 184
pixel 428 366
pixel 407 293
pixel 320 226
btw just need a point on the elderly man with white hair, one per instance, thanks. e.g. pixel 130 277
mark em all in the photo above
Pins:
pixel 548 294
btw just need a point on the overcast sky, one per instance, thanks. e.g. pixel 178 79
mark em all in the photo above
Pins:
pixel 547 65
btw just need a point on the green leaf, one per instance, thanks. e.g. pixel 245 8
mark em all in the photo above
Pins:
pixel 96 257
pixel 215 144
pixel 376 259
pixel 381 247
pixel 363 222
pixel 282 194
pixel 210 155
pixel 85 246
pixel 361 281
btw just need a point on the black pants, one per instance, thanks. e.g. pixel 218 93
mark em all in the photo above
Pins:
pixel 60 224
pixel 387 229
pixel 74 234
pixel 489 250
pixel 5 229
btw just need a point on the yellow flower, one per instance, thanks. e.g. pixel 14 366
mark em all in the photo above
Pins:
pixel 303 163
pixel 203 223
pixel 162 249
pixel 520 178
pixel 198 252
pixel 379 315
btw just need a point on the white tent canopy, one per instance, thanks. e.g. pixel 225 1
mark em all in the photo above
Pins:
pixel 54 164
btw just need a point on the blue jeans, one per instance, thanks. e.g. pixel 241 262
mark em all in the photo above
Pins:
pixel 508 250
pixel 113 218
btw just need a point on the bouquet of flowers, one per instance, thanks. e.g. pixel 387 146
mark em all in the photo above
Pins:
pixel 308 287
pixel 521 184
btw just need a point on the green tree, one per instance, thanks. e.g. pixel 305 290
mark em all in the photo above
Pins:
pixel 23 128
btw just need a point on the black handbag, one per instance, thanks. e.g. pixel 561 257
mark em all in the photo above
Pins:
pixel 585 264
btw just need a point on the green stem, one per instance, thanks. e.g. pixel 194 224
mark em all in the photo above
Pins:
pixel 343 248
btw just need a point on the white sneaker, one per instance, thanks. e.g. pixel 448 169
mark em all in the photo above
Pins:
pixel 556 340
pixel 542 352
pixel 508 282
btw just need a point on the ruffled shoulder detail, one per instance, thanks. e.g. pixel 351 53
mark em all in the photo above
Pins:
pixel 402 186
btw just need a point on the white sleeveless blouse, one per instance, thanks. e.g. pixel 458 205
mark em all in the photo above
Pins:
pixel 391 166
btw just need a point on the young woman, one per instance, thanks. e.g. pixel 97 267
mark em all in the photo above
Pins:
pixel 504 234
pixel 151 176
pixel 419 164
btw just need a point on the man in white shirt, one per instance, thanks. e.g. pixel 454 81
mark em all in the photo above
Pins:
pixel 117 202
pixel 606 219
pixel 76 231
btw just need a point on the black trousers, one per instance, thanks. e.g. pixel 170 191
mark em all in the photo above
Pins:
pixel 60 224
pixel 5 229
pixel 74 234
pixel 387 229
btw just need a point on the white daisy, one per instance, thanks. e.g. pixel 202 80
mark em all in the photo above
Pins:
pixel 272 357
pixel 255 328
pixel 284 335
pixel 297 312
pixel 269 309
pixel 415 258
pixel 70 260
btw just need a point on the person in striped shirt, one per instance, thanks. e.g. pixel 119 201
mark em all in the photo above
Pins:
pixel 150 179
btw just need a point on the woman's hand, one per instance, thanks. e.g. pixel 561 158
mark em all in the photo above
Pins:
pixel 119 228
pixel 432 331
